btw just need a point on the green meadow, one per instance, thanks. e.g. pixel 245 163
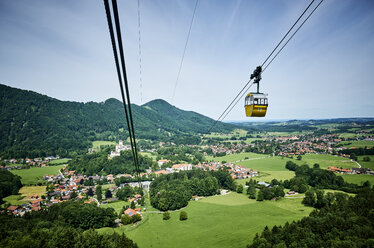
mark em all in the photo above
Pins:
pixel 59 161
pixel 358 143
pixel 269 168
pixel 358 179
pixel 33 175
pixel 235 157
pixel 96 144
pixel 364 164
pixel 148 154
pixel 117 205
pixel 326 160
pixel 230 220
pixel 24 195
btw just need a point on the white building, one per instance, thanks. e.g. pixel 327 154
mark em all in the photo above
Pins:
pixel 120 147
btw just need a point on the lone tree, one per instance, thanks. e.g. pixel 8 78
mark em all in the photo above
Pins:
pixel 166 215
pixel 299 157
pixel 108 194
pixel 239 189
pixel 366 159
pixel 90 192
pixel 183 215
pixel 99 193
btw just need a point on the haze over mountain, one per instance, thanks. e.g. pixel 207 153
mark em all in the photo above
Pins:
pixel 33 125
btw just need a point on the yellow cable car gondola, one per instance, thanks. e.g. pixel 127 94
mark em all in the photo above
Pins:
pixel 256 103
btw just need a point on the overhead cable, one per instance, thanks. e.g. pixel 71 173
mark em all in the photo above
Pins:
pixel 184 52
pixel 122 78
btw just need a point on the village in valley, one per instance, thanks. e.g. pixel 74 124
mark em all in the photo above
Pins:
pixel 65 184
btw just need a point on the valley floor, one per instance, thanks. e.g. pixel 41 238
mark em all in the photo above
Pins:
pixel 230 220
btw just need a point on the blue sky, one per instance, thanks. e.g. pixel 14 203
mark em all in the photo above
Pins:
pixel 62 49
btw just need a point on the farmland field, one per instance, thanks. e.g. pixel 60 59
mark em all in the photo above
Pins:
pixel 59 161
pixel 238 218
pixel 358 143
pixel 33 175
pixel 235 157
pixel 326 160
pixel 24 194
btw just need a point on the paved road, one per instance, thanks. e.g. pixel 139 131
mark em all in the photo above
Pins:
pixel 359 166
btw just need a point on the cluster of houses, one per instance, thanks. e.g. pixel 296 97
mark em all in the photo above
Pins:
pixel 351 171
pixel 33 205
pixel 303 144
pixel 17 164
pixel 236 171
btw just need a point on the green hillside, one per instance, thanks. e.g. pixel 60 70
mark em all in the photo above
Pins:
pixel 33 125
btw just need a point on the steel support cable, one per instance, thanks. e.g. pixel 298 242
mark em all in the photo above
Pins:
pixel 277 53
pixel 119 37
pixel 184 52
pixel 224 114
pixel 287 33
pixel 285 44
pixel 140 57
pixel 115 52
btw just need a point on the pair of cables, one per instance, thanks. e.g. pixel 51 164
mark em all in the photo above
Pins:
pixel 116 39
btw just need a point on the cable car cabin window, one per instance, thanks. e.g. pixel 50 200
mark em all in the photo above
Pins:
pixel 256 101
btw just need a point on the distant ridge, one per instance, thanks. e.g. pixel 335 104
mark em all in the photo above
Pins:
pixel 32 124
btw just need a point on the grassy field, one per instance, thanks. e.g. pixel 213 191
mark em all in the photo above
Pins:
pixel 220 221
pixel 59 161
pixel 358 179
pixel 326 160
pixel 235 157
pixel 31 176
pixel 357 143
pixel 148 154
pixel 266 164
pixel 117 205
pixel 369 164
pixel 107 186
pixel 269 168
pixel 96 144
pixel 24 195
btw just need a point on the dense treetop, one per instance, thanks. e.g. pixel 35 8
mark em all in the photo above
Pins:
pixel 62 225
pixel 9 184
pixel 99 163
pixel 173 191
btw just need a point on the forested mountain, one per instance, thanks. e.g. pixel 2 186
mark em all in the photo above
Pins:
pixel 34 125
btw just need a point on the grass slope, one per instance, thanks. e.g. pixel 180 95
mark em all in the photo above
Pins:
pixel 32 175
pixel 220 221
pixel 369 164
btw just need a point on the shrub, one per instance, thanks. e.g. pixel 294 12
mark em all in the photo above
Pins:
pixel 183 215
pixel 166 216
